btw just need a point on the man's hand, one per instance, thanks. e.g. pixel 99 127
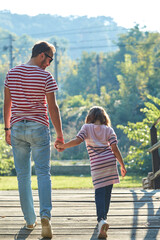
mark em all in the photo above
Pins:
pixel 8 137
pixel 59 141
pixel 60 146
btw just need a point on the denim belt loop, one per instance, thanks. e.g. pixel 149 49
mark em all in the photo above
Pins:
pixel 25 121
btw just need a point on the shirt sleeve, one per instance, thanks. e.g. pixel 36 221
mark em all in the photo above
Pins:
pixel 112 138
pixel 51 85
pixel 82 133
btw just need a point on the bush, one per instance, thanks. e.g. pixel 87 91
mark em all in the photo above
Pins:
pixel 138 133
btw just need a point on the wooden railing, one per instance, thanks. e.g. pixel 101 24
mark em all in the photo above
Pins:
pixel 155 155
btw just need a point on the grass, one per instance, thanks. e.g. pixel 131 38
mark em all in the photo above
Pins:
pixel 70 182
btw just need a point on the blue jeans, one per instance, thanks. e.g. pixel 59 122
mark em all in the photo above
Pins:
pixel 102 200
pixel 27 137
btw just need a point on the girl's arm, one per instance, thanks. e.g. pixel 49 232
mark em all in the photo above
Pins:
pixel 76 141
pixel 118 155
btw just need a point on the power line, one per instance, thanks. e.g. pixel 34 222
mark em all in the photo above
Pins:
pixel 10 47
pixel 100 46
pixel 80 31
pixel 3 38
pixel 92 40
pixel 113 45
pixel 84 47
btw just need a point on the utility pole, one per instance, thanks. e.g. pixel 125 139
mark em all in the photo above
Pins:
pixel 10 51
pixel 56 65
pixel 98 76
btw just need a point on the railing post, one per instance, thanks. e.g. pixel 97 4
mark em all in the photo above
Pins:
pixel 155 157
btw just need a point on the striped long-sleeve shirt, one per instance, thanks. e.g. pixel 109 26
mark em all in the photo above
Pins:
pixel 28 86
pixel 103 162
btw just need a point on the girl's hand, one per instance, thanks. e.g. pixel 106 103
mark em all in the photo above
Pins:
pixel 59 142
pixel 123 171
pixel 59 145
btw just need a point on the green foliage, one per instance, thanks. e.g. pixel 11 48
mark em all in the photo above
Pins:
pixel 138 133
pixel 81 79
pixel 73 112
pixel 126 77
pixel 6 158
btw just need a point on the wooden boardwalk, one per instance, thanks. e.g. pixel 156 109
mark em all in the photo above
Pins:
pixel 134 215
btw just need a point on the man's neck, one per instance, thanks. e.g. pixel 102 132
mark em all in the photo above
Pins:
pixel 32 62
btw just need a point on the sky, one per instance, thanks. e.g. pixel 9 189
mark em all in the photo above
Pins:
pixel 126 13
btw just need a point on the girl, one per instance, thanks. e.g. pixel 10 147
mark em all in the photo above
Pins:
pixel 101 143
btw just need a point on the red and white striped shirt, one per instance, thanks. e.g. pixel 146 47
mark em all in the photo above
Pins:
pixel 28 86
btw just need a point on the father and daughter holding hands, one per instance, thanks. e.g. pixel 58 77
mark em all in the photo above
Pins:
pixel 29 90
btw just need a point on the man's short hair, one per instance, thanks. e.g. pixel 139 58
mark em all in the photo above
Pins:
pixel 42 47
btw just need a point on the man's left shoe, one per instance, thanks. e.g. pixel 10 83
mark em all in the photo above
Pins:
pixel 102 229
pixel 31 227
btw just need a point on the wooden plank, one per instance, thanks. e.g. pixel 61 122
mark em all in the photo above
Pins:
pixel 90 206
pixel 122 222
pixel 153 147
pixel 85 197
pixel 91 234
pixel 134 215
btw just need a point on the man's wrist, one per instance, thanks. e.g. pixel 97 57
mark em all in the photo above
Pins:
pixel 61 139
pixel 7 129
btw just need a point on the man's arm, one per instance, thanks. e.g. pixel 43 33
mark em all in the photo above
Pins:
pixel 7 113
pixel 55 116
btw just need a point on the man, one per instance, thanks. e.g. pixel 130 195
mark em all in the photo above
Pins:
pixel 27 87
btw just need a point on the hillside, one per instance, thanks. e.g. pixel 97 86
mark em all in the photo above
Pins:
pixel 82 33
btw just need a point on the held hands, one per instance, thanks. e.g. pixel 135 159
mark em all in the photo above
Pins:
pixel 58 143
pixel 60 146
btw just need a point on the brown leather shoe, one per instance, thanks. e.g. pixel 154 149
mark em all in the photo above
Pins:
pixel 46 228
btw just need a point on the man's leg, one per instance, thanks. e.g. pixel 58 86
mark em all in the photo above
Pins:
pixel 41 156
pixel 21 153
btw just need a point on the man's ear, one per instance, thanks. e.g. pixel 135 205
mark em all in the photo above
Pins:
pixel 42 56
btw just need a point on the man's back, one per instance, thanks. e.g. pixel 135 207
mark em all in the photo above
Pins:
pixel 28 85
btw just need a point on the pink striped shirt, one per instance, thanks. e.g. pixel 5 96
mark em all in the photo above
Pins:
pixel 103 162
pixel 28 86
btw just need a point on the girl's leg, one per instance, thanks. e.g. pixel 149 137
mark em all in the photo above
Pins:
pixel 108 191
pixel 100 203
pixel 102 199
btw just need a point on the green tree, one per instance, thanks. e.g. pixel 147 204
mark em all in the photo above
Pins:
pixel 82 77
pixel 138 133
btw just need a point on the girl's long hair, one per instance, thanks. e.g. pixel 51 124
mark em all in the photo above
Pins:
pixel 98 113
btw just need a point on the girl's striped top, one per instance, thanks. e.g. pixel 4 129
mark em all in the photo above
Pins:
pixel 99 139
pixel 28 86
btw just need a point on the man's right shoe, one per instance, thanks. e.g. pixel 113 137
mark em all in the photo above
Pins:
pixel 46 228
pixel 102 229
